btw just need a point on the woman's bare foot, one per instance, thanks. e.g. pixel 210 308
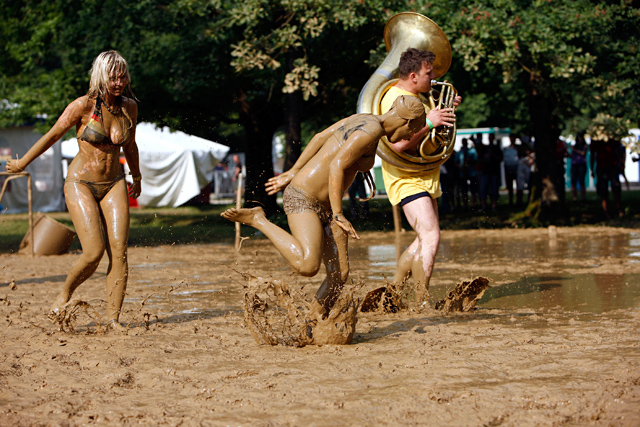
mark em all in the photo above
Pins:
pixel 244 215
pixel 116 326
pixel 58 309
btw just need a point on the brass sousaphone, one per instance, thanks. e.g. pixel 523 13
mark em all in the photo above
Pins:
pixel 403 31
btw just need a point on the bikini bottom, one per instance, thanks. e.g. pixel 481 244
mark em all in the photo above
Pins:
pixel 296 200
pixel 98 189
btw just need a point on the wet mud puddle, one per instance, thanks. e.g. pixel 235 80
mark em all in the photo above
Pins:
pixel 575 272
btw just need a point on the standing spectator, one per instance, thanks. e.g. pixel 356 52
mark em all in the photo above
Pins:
pixel 474 187
pixel 523 179
pixel 358 195
pixel 605 155
pixel 579 167
pixel 477 140
pixel 454 181
pixel 490 158
pixel 561 154
pixel 510 155
pixel 622 161
pixel 448 177
pixel 466 159
pixel 236 172
pixel 481 168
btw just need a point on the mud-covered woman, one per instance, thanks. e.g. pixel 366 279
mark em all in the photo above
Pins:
pixel 95 188
pixel 313 191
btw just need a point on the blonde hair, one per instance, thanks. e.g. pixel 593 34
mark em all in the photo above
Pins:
pixel 103 66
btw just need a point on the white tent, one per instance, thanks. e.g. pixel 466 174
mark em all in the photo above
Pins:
pixel 46 173
pixel 174 166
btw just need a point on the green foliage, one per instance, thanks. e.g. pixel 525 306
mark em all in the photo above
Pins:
pixel 582 55
pixel 220 68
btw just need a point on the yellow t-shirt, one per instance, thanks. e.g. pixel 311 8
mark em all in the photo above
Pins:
pixel 401 183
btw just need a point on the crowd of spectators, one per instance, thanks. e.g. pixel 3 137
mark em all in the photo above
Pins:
pixel 474 176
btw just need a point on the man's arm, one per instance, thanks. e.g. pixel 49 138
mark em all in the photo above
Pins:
pixel 358 144
pixel 438 117
pixel 278 183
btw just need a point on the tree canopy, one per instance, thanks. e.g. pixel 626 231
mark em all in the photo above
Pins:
pixel 237 72
pixel 581 55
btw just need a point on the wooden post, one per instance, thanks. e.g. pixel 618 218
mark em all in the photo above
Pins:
pixel 238 206
pixel 397 218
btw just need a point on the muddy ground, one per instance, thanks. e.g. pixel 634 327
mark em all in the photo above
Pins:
pixel 554 341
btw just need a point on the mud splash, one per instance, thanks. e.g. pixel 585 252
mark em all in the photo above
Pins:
pixel 68 315
pixel 393 299
pixel 464 296
pixel 278 315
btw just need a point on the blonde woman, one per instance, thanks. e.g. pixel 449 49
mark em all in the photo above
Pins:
pixel 95 189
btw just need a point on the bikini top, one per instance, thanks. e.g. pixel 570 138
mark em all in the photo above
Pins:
pixel 94 132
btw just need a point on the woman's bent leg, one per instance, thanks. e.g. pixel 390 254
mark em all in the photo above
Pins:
pixel 85 214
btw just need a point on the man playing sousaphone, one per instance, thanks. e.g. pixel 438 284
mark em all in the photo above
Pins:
pixel 417 191
pixel 418 52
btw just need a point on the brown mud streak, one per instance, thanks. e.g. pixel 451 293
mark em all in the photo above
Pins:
pixel 464 296
pixel 385 299
pixel 277 315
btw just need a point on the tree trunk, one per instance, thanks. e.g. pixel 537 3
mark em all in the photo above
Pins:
pixel 260 125
pixel 545 181
pixel 259 168
pixel 293 137
pixel 293 104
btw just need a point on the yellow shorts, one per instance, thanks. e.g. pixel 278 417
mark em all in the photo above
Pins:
pixel 400 184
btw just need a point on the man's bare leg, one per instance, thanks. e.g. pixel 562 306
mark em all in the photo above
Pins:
pixel 335 256
pixel 301 248
pixel 422 214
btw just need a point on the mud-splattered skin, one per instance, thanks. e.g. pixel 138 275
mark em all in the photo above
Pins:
pixel 101 162
pixel 335 156
pixel 322 174
pixel 95 189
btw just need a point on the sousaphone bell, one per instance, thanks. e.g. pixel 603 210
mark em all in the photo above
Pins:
pixel 403 31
